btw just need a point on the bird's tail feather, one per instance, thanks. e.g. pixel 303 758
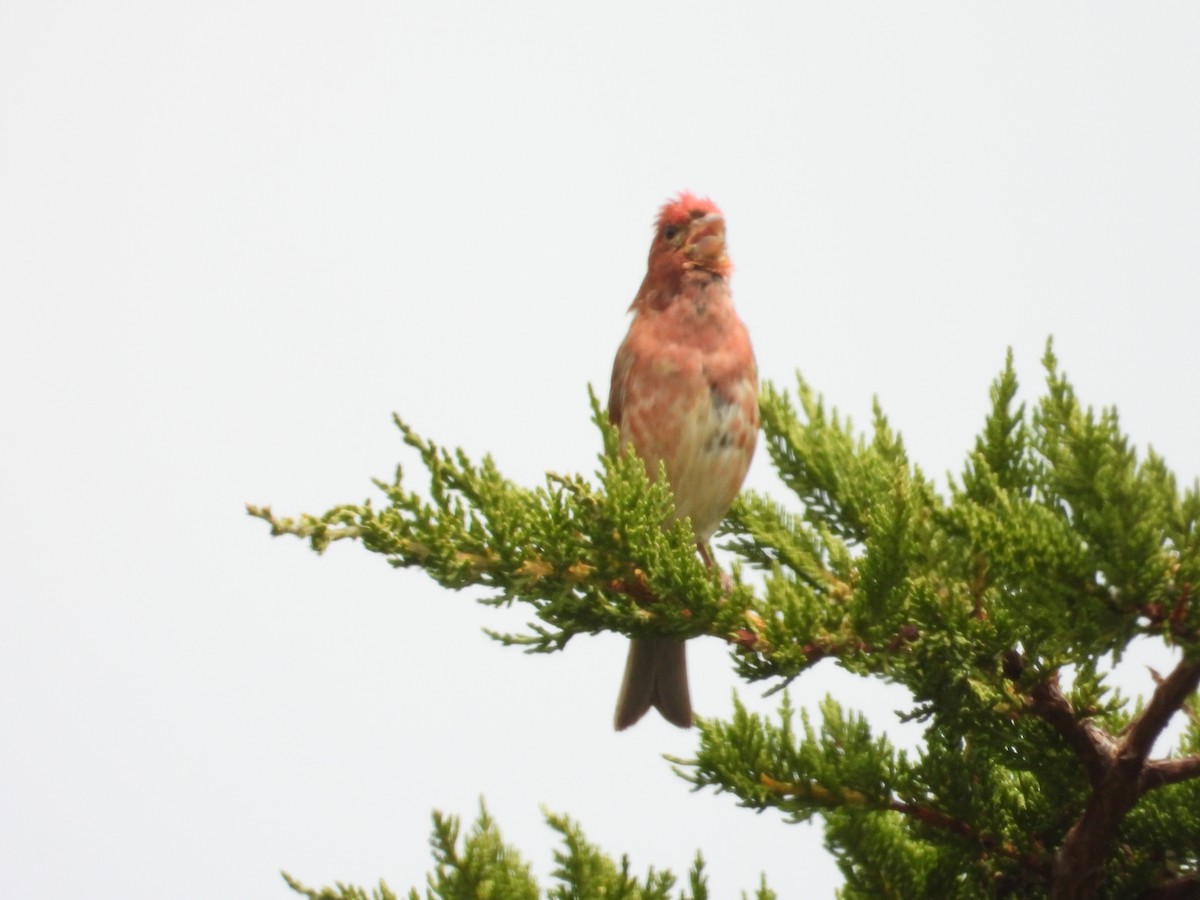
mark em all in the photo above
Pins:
pixel 655 675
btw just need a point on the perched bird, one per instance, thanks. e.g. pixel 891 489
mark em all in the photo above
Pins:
pixel 685 393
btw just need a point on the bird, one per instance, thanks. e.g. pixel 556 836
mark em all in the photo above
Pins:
pixel 684 393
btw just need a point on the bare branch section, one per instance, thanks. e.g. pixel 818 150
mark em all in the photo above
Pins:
pixel 1092 744
pixel 1161 772
pixel 1125 774
pixel 1168 699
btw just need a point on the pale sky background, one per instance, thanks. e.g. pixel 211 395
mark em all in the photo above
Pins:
pixel 234 237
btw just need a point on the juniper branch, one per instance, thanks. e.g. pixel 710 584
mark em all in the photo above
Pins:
pixel 1080 860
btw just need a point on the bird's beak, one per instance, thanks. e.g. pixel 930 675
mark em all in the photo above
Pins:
pixel 706 240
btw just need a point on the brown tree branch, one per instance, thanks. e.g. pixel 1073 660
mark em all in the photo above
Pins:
pixel 1161 772
pixel 1168 698
pixel 1079 863
pixel 1092 744
pixel 1118 770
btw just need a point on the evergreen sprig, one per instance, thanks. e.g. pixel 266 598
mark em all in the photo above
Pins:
pixel 586 557
pixel 480 866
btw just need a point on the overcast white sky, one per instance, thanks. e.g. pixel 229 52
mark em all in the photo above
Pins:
pixel 235 236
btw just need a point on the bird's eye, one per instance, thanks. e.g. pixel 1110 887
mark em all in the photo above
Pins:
pixel 670 232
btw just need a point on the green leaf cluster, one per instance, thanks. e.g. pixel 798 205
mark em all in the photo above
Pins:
pixel 478 865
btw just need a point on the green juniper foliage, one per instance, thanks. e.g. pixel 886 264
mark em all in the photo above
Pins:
pixel 1055 547
pixel 479 866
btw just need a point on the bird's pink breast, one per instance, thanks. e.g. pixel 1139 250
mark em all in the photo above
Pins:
pixel 685 392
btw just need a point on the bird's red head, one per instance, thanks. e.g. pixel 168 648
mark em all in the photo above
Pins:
pixel 684 207
pixel 690 234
